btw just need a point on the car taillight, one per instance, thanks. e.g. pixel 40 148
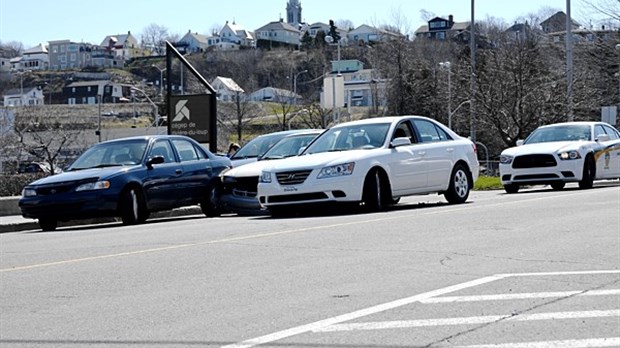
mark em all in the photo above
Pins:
pixel 475 147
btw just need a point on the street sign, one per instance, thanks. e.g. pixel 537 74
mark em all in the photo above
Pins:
pixel 191 116
pixel 608 114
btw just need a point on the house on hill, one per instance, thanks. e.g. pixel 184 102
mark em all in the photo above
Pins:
pixel 226 88
pixel 24 96
pixel 278 34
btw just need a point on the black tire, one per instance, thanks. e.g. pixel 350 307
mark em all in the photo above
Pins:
pixel 589 173
pixel 373 199
pixel 511 188
pixel 460 185
pixel 558 185
pixel 47 224
pixel 210 206
pixel 132 207
pixel 279 211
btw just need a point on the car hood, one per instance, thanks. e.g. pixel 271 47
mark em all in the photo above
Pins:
pixel 543 148
pixel 82 174
pixel 250 169
pixel 319 160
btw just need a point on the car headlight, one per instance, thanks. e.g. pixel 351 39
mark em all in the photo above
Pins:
pixel 95 185
pixel 337 170
pixel 29 192
pixel 505 159
pixel 569 155
pixel 265 177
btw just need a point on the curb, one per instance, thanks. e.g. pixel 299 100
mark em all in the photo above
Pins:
pixel 28 225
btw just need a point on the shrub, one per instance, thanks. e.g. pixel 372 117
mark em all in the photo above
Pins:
pixel 488 183
pixel 13 184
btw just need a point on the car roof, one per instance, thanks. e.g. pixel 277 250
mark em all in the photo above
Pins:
pixel 383 119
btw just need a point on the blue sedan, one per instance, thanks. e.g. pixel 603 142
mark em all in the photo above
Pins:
pixel 128 178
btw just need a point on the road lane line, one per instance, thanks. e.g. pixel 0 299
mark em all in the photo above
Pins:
pixel 404 324
pixel 500 297
pixel 272 234
pixel 358 314
pixel 585 343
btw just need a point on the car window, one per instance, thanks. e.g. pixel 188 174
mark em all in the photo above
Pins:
pixel 355 136
pixel 613 134
pixel 559 133
pixel 288 146
pixel 258 146
pixel 185 149
pixel 110 154
pixel 429 132
pixel 404 130
pixel 164 149
pixel 598 130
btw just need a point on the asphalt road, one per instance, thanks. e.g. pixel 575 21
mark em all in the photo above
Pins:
pixel 539 268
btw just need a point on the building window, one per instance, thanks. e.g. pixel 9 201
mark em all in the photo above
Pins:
pixel 73 57
pixel 441 35
pixel 436 25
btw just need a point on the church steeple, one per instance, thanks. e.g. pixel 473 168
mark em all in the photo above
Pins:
pixel 293 12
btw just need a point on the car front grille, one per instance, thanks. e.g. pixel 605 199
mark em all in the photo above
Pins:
pixel 245 186
pixel 54 189
pixel 534 161
pixel 293 178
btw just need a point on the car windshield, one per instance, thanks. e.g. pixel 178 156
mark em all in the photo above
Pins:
pixel 116 153
pixel 288 146
pixel 359 136
pixel 559 133
pixel 257 146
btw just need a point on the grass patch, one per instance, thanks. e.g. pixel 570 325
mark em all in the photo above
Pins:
pixel 488 183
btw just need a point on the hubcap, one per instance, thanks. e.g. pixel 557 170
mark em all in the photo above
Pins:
pixel 461 184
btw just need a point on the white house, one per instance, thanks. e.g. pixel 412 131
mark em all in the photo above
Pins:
pixel 35 58
pixel 277 95
pixel 366 34
pixel 24 96
pixel 237 36
pixel 226 88
pixel 277 34
pixel 194 42
pixel 5 64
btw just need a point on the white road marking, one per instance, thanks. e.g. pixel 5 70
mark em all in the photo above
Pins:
pixel 402 324
pixel 501 297
pixel 316 326
pixel 585 343
pixel 358 314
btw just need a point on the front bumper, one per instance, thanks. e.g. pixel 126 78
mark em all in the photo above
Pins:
pixel 70 206
pixel 340 189
pixel 564 171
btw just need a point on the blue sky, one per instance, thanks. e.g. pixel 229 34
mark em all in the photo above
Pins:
pixel 39 21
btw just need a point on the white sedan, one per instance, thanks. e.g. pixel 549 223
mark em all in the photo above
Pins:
pixel 560 153
pixel 373 162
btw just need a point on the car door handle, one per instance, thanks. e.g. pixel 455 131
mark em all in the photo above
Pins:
pixel 422 153
pixel 450 149
pixel 179 171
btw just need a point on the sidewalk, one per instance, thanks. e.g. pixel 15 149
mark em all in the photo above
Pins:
pixel 17 223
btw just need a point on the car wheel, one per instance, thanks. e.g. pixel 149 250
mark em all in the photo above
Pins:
pixel 279 211
pixel 460 185
pixel 589 172
pixel 48 224
pixel 132 207
pixel 558 185
pixel 511 188
pixel 209 205
pixel 372 196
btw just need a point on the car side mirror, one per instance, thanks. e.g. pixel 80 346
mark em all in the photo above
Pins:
pixel 401 141
pixel 602 138
pixel 519 142
pixel 154 160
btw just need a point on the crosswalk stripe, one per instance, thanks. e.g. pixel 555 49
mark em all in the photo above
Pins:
pixel 499 297
pixel 400 324
pixel 585 343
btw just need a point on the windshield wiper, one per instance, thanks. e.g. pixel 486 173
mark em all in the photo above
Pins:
pixel 103 165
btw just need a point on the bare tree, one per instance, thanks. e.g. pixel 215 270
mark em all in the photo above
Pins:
pixel 153 38
pixel 43 133
pixel 11 49
pixel 345 24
